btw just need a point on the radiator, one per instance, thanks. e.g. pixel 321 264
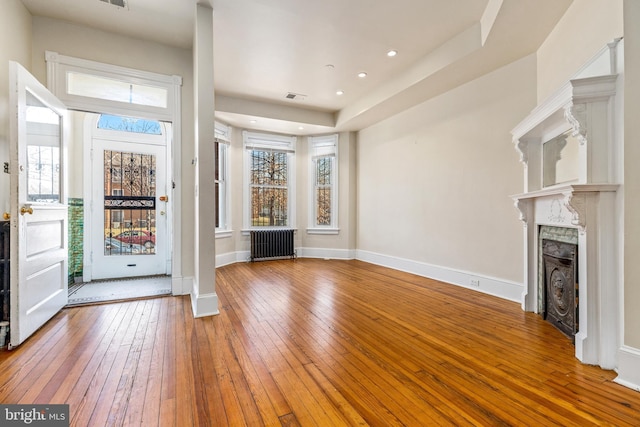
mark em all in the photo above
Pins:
pixel 266 244
pixel 4 270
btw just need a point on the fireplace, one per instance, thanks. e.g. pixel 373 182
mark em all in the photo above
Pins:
pixel 572 172
pixel 560 285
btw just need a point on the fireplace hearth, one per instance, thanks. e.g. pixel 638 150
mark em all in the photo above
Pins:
pixel 560 262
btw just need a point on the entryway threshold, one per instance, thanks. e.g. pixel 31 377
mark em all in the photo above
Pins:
pixel 102 291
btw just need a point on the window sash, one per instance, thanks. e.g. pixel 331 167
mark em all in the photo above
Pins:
pixel 323 183
pixel 269 194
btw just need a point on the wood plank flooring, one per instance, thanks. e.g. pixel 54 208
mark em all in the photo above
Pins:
pixel 314 343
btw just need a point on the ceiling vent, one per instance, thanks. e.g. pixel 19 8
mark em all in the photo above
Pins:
pixel 296 96
pixel 118 3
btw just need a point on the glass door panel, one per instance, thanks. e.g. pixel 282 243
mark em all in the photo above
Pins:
pixel 129 203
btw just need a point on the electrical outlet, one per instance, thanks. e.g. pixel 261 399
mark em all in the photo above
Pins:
pixel 474 282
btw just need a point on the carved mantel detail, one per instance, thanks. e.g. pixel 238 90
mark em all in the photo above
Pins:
pixel 523 206
pixel 576 203
pixel 521 148
pixel 576 116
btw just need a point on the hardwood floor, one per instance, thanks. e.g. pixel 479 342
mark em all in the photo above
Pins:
pixel 314 343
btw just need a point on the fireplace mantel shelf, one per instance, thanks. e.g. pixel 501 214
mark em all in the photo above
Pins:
pixel 565 189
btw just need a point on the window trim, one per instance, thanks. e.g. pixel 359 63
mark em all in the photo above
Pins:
pixel 223 138
pixel 315 142
pixel 281 143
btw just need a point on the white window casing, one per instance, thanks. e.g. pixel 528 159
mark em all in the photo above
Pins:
pixel 255 141
pixel 323 148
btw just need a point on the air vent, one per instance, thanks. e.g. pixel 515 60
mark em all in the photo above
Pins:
pixel 296 96
pixel 118 3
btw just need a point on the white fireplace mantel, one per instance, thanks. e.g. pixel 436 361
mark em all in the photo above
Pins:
pixel 573 197
pixel 580 116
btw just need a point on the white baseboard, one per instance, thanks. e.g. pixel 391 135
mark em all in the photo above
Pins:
pixel 243 256
pixel 628 367
pixel 232 258
pixel 489 285
pixel 325 253
pixel 181 285
pixel 204 305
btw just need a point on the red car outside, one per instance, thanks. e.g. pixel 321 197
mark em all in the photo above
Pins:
pixel 139 237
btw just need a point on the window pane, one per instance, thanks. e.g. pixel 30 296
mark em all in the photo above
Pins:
pixel 323 171
pixel 129 124
pixel 268 207
pixel 129 203
pixel 268 188
pixel 268 168
pixel 43 152
pixel 115 90
pixel 323 197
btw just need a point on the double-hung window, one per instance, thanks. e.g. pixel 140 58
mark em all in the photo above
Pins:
pixel 323 194
pixel 269 191
pixel 222 138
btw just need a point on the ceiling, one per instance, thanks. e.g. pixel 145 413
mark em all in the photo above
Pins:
pixel 266 49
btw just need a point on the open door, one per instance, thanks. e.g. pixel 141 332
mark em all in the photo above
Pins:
pixel 39 253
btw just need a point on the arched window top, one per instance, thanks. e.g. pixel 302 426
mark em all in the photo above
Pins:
pixel 129 124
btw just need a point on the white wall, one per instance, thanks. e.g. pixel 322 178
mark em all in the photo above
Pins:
pixel 15 45
pixel 586 27
pixel 434 181
pixel 630 354
pixel 87 43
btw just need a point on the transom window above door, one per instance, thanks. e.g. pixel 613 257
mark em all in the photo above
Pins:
pixel 129 124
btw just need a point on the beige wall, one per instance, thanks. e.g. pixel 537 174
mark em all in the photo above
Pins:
pixel 631 190
pixel 15 45
pixel 86 43
pixel 346 196
pixel 434 181
pixel 586 27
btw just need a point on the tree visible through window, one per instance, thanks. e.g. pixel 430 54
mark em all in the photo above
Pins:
pixel 129 124
pixel 323 184
pixel 269 188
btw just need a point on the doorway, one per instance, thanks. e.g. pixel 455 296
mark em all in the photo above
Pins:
pixel 126 211
pixel 85 85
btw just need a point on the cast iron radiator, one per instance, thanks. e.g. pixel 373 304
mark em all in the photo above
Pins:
pixel 4 269
pixel 266 244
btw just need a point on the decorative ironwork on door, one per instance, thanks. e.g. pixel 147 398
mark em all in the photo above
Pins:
pixel 129 203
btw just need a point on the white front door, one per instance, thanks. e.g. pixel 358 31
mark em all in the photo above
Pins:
pixel 129 209
pixel 39 250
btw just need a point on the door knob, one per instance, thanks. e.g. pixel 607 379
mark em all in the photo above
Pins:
pixel 6 216
pixel 164 198
pixel 26 209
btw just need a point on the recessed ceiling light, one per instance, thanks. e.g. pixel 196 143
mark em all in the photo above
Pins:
pixel 340 92
pixel 253 121
pixel 301 127
pixel 362 74
pixel 392 53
